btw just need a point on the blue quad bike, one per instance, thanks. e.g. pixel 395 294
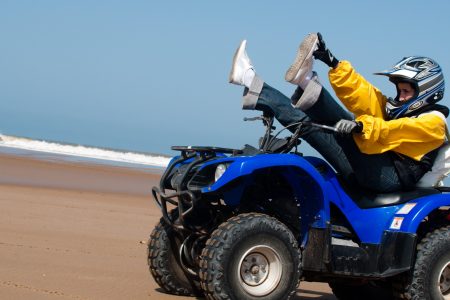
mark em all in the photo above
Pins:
pixel 253 223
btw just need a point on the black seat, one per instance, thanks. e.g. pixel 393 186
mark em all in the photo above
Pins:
pixel 369 199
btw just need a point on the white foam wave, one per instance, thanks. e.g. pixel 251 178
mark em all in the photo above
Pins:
pixel 83 151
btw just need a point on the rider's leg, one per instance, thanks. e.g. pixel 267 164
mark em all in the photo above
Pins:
pixel 263 97
pixel 310 96
pixel 315 100
pixel 318 104
pixel 373 171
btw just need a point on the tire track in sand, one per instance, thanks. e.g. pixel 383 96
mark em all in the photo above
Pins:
pixel 57 293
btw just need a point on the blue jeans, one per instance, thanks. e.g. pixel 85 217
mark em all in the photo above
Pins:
pixel 375 171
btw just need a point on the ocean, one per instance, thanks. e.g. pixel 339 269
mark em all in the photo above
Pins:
pixel 51 151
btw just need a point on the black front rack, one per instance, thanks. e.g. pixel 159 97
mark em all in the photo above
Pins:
pixel 184 199
pixel 205 149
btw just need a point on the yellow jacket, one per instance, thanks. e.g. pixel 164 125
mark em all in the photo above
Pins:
pixel 411 136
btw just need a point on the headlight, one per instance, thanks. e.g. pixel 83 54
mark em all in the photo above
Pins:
pixel 220 169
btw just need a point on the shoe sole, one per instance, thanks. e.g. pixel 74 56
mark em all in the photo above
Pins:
pixel 236 55
pixel 305 50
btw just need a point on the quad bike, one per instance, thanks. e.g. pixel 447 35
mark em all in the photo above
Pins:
pixel 253 223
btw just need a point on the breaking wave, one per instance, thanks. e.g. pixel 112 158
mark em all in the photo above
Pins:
pixel 83 151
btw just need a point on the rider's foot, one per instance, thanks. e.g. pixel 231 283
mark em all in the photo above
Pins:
pixel 242 71
pixel 301 70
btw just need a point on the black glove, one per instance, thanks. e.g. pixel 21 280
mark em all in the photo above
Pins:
pixel 323 54
pixel 347 127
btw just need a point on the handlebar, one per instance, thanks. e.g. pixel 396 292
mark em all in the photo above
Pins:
pixel 253 119
pixel 267 120
pixel 326 127
pixel 270 139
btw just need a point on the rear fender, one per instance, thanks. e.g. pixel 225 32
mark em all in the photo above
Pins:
pixel 411 214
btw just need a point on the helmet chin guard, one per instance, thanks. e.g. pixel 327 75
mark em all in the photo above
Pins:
pixel 427 79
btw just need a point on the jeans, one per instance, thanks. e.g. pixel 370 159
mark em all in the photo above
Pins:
pixel 375 171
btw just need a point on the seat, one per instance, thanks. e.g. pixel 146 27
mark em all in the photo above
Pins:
pixel 368 199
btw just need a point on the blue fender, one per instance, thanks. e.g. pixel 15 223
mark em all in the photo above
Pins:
pixel 415 211
pixel 245 165
pixel 369 224
pixel 313 194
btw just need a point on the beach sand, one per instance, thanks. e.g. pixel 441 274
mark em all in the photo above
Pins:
pixel 73 230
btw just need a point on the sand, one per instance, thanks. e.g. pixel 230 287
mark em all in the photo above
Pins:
pixel 79 231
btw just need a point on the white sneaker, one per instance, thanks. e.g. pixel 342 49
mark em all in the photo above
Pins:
pixel 241 64
pixel 303 63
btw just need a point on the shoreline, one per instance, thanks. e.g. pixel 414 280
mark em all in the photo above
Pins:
pixel 54 172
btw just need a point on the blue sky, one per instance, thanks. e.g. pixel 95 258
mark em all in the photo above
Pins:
pixel 145 75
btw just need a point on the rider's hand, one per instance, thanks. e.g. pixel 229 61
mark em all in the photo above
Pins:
pixel 347 127
pixel 323 53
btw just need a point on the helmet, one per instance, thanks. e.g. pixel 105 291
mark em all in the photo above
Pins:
pixel 427 79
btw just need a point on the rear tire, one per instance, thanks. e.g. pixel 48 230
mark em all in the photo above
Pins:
pixel 164 264
pixel 430 278
pixel 251 256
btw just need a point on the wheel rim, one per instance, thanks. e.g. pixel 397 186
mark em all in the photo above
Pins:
pixel 444 281
pixel 260 270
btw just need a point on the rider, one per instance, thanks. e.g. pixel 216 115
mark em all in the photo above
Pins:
pixel 385 144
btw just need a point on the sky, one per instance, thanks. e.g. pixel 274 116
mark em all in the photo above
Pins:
pixel 146 75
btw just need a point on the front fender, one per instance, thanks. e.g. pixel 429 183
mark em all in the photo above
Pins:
pixel 311 189
pixel 245 165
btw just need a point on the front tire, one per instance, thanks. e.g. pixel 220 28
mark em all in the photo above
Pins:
pixel 164 262
pixel 251 256
pixel 431 275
